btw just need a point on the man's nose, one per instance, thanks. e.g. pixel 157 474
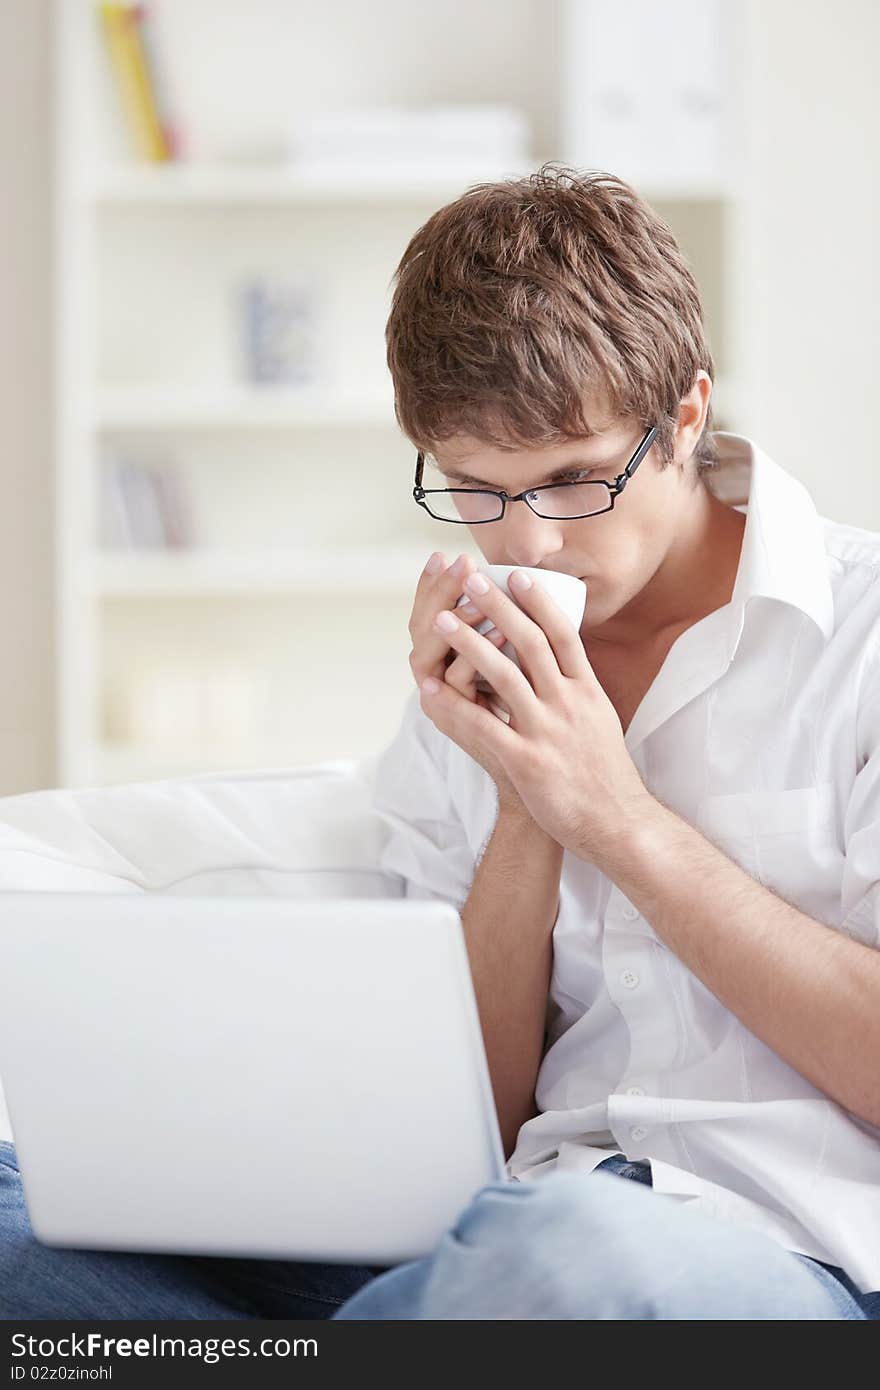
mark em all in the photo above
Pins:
pixel 529 539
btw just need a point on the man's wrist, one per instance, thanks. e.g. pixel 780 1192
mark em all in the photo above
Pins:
pixel 516 818
pixel 512 809
pixel 634 838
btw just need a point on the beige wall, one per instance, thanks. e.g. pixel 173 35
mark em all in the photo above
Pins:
pixel 27 755
pixel 814 125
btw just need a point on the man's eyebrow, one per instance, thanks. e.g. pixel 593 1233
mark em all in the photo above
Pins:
pixel 560 472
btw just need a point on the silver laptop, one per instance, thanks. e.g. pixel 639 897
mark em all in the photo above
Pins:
pixel 235 1076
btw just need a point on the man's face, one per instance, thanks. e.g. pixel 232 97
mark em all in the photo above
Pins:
pixel 617 552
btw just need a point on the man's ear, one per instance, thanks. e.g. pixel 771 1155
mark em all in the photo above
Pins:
pixel 692 411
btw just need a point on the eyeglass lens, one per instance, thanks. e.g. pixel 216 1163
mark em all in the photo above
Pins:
pixel 472 506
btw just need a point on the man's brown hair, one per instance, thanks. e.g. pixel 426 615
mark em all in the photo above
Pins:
pixel 520 299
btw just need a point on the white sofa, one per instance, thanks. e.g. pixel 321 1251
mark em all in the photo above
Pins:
pixel 297 832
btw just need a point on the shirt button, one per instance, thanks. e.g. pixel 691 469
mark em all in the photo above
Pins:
pixel 634 1091
pixel 638 1132
pixel 629 978
pixel 630 912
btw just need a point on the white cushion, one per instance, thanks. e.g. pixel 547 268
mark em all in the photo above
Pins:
pixel 301 832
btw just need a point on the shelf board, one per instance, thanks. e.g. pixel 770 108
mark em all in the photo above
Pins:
pixel 206 573
pixel 286 185
pixel 265 408
pixel 192 184
pixel 240 407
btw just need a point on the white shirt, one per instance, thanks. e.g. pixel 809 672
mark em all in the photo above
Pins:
pixel 761 729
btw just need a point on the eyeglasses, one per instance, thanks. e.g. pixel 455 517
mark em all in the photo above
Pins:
pixel 561 501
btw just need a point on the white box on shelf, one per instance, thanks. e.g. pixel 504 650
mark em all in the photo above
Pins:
pixel 179 705
pixel 428 134
pixel 645 91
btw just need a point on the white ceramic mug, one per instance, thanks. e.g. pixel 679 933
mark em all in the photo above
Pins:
pixel 567 591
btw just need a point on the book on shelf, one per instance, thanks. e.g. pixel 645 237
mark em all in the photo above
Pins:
pixel 144 506
pixel 281 321
pixel 130 42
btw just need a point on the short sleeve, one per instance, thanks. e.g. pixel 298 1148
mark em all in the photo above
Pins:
pixel 860 893
pixel 427 844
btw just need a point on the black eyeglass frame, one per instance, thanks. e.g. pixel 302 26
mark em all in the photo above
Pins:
pixel 614 489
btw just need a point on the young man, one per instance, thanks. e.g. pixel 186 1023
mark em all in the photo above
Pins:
pixel 665 851
pixel 672 925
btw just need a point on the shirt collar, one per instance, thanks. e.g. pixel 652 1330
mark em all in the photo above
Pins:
pixel 783 548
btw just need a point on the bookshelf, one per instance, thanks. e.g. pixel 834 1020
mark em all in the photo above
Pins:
pixel 287 620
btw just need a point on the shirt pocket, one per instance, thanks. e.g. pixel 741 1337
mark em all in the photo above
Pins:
pixel 787 840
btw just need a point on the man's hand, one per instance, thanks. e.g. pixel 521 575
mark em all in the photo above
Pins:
pixel 563 750
pixel 440 586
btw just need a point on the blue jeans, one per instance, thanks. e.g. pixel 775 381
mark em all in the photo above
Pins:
pixel 563 1246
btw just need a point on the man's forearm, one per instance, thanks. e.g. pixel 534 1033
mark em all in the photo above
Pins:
pixel 508 922
pixel 808 991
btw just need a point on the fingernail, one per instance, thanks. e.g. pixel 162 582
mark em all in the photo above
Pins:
pixel 436 563
pixel 477 584
pixel 520 580
pixel 430 686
